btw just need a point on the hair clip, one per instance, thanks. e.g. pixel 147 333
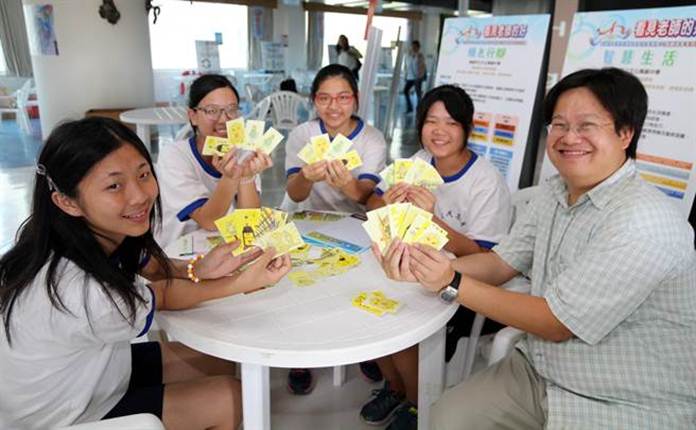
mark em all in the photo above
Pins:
pixel 41 170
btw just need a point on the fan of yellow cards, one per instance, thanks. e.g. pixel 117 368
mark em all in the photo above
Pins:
pixel 323 148
pixel 412 171
pixel 406 222
pixel 263 227
pixel 247 135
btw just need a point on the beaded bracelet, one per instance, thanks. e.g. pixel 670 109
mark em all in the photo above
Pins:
pixel 189 269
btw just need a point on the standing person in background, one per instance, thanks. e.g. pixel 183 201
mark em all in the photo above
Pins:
pixel 348 56
pixel 415 74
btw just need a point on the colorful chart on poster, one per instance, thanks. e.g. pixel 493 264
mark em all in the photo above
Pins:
pixel 497 61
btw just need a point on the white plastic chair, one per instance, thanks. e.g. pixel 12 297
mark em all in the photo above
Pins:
pixel 462 363
pixel 252 92
pixel 129 422
pixel 260 110
pixel 285 109
pixel 18 103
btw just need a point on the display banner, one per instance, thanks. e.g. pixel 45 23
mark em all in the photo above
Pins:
pixel 659 47
pixel 497 61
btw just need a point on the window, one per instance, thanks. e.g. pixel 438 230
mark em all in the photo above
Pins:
pixel 3 66
pixel 181 23
pixel 353 26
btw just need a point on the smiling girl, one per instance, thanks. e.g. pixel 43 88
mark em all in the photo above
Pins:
pixel 71 301
pixel 198 189
pixel 473 205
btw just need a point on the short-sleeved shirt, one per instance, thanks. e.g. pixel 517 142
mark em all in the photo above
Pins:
pixel 186 183
pixel 618 269
pixel 367 141
pixel 63 368
pixel 474 202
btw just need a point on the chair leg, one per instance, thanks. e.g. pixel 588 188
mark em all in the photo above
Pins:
pixel 472 344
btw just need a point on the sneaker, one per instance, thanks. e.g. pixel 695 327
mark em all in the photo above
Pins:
pixel 300 381
pixel 371 372
pixel 380 409
pixel 405 418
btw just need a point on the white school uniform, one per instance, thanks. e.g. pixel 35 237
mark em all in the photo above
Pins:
pixel 367 140
pixel 474 202
pixel 62 368
pixel 186 183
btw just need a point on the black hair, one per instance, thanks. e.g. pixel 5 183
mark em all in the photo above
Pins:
pixel 206 84
pixel 456 101
pixel 339 48
pixel 49 234
pixel 619 92
pixel 415 42
pixel 332 71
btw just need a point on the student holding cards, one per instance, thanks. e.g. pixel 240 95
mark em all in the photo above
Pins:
pixel 198 189
pixel 329 185
pixel 472 205
pixel 71 301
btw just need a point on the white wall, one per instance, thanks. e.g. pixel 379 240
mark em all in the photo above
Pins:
pixel 99 65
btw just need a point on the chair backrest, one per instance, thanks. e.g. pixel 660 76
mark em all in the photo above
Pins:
pixel 184 133
pixel 284 109
pixel 260 110
pixel 253 93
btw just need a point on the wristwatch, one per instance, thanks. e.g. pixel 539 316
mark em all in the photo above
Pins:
pixel 450 292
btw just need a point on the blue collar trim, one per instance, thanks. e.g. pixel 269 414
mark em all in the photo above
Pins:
pixel 358 128
pixel 205 166
pixel 460 173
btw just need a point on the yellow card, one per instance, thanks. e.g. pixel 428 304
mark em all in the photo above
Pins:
pixel 434 236
pixel 301 279
pixel 414 173
pixel 388 175
pixel 401 168
pixel 351 159
pixel 339 146
pixel 284 239
pixel 320 144
pixel 416 229
pixel 429 178
pixel 379 300
pixel 411 213
pixel 397 212
pixel 236 134
pixel 216 146
pixel 214 241
pixel 307 154
pixel 226 227
pixel 254 133
pixel 361 302
pixel 271 138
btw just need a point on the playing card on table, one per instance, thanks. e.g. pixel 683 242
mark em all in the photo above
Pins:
pixel 271 138
pixel 361 302
pixel 236 134
pixel 379 300
pixel 216 146
pixel 339 146
pixel 301 278
pixel 320 144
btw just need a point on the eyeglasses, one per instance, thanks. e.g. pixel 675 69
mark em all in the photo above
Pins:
pixel 214 112
pixel 343 99
pixel 584 129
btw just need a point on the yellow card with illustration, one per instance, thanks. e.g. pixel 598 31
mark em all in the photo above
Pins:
pixel 216 146
pixel 271 138
pixel 351 159
pixel 320 144
pixel 253 130
pixel 236 135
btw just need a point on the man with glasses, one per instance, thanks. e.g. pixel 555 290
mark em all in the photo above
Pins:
pixel 611 319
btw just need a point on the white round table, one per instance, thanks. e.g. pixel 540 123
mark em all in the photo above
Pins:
pixel 145 117
pixel 315 326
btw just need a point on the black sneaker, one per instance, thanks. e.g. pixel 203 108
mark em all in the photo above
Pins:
pixel 405 418
pixel 371 372
pixel 380 409
pixel 300 381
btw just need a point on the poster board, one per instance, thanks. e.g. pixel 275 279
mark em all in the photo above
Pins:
pixel 659 47
pixel 207 56
pixel 497 60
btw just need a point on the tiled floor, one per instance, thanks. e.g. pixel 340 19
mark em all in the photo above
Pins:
pixel 328 407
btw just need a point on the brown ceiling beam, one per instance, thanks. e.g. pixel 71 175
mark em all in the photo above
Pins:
pixel 320 7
